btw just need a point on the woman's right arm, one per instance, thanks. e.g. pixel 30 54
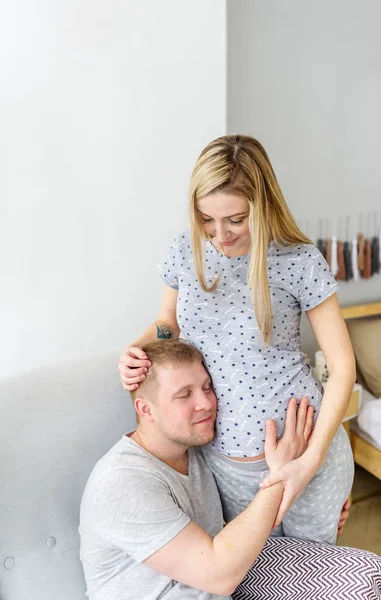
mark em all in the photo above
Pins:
pixel 133 363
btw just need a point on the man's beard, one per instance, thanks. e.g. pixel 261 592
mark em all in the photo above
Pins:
pixel 192 440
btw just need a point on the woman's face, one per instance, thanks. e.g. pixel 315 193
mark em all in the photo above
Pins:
pixel 224 218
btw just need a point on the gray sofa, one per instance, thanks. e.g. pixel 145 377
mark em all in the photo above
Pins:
pixel 55 423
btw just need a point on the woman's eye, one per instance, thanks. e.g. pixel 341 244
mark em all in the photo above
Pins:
pixel 206 220
pixel 236 222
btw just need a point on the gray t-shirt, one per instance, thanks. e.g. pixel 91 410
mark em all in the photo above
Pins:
pixel 253 382
pixel 134 504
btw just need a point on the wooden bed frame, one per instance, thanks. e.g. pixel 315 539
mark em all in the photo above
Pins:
pixel 365 455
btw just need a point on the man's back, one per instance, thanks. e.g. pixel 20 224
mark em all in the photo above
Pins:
pixel 132 506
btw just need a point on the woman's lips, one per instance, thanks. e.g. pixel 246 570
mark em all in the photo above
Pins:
pixel 229 243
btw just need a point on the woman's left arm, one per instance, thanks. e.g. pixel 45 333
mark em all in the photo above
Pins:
pixel 332 336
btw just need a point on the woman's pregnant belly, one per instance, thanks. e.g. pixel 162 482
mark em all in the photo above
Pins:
pixel 244 407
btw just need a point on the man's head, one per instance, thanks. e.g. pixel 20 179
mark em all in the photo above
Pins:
pixel 176 400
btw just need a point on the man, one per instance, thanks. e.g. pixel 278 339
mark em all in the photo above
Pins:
pixel 151 519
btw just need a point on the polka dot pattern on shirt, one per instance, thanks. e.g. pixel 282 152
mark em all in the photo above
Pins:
pixel 253 382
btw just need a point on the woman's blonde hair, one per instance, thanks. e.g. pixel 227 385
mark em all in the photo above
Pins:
pixel 239 165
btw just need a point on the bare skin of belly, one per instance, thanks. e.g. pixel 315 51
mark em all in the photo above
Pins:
pixel 248 459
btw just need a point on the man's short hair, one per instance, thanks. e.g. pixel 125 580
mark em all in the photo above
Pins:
pixel 166 352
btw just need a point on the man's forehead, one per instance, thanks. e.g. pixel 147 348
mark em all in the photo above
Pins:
pixel 178 375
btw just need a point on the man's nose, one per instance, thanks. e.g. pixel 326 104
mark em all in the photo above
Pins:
pixel 205 401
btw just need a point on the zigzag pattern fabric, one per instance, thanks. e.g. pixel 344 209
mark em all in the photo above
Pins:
pixel 291 569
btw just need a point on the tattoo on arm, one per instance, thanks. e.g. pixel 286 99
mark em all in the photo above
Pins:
pixel 164 332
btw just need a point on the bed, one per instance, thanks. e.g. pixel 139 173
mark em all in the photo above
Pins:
pixel 365 433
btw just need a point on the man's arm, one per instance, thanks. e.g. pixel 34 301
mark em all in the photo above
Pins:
pixel 218 565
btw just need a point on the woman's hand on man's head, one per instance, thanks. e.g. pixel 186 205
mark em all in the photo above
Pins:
pixel 133 366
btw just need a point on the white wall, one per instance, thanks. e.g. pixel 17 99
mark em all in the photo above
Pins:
pixel 104 107
pixel 304 78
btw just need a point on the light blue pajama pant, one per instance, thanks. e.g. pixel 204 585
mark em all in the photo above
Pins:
pixel 313 516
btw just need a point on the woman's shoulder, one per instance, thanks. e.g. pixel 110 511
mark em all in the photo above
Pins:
pixel 297 259
pixel 183 237
pixel 298 251
pixel 178 255
pixel 181 243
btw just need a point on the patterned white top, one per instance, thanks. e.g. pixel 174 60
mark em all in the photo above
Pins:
pixel 253 382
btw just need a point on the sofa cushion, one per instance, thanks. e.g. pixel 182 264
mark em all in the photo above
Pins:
pixel 55 423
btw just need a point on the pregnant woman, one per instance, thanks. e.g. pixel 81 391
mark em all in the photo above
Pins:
pixel 236 285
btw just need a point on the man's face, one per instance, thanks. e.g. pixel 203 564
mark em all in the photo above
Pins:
pixel 185 404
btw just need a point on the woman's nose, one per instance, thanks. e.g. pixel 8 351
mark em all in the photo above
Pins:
pixel 220 230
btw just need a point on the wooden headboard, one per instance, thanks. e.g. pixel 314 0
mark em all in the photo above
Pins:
pixel 361 310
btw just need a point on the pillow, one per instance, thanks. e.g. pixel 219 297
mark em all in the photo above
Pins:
pixel 292 568
pixel 366 339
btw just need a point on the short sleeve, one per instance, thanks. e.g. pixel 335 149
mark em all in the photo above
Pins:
pixel 134 509
pixel 168 268
pixel 317 282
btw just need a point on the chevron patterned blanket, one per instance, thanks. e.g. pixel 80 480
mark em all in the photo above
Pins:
pixel 291 569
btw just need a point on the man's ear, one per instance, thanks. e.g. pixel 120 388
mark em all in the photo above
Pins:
pixel 143 409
